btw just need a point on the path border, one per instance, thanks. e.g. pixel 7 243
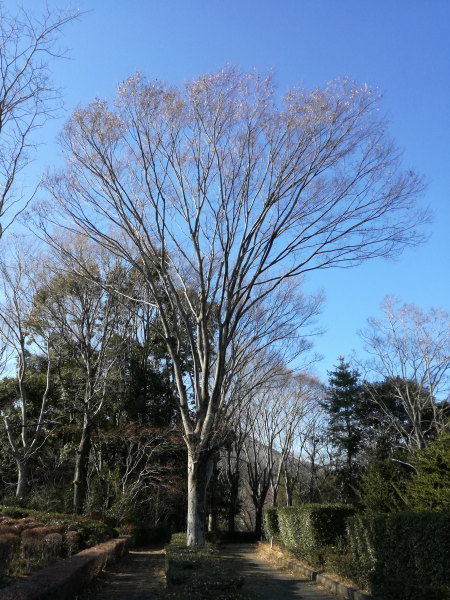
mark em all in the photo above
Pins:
pixel 65 578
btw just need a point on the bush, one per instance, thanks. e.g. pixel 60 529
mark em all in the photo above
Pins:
pixel 223 537
pixel 9 543
pixel 45 536
pixel 402 555
pixel 270 524
pixel 429 487
pixel 311 531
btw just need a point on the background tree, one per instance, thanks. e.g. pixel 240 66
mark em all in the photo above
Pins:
pixel 220 195
pixel 80 315
pixel 411 349
pixel 25 403
pixel 343 408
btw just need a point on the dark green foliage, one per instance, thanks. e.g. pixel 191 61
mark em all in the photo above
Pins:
pixel 270 523
pixel 344 427
pixel 225 537
pixel 13 512
pixel 143 535
pixel 310 531
pixel 429 487
pixel 198 573
pixel 402 556
pixel 379 488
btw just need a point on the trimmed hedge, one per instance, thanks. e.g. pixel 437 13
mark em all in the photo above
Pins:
pixel 198 573
pixel 311 531
pixel 402 555
pixel 270 524
pixel 92 532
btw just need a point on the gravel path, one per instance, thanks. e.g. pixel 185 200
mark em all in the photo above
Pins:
pixel 266 582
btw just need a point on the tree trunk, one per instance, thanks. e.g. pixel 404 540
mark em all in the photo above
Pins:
pixel 22 479
pixel 234 499
pixel 258 520
pixel 198 466
pixel 212 516
pixel 288 491
pixel 81 468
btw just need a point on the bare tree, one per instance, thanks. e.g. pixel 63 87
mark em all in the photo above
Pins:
pixel 138 473
pixel 217 193
pixel 27 96
pixel 24 422
pixel 81 318
pixel 411 349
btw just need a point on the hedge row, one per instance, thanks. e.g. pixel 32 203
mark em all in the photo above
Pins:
pixel 311 531
pixel 401 556
pixel 198 573
pixel 30 540
pixel 91 531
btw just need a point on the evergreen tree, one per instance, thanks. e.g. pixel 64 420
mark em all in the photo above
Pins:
pixel 344 428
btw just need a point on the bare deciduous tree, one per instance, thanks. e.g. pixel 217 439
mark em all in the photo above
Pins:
pixel 79 316
pixel 27 95
pixel 24 422
pixel 217 193
pixel 411 349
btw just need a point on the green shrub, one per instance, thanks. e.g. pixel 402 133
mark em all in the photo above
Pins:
pixel 178 539
pixel 429 487
pixel 270 524
pixel 13 512
pixel 311 531
pixel 224 537
pixel 402 555
pixel 142 535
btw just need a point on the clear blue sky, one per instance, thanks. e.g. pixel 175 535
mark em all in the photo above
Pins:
pixel 403 47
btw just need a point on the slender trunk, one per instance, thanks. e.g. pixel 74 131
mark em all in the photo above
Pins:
pixel 212 516
pixel 22 479
pixel 234 500
pixel 275 495
pixel 81 468
pixel 288 491
pixel 259 519
pixel 198 466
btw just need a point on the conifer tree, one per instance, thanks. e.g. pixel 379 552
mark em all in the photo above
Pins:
pixel 343 406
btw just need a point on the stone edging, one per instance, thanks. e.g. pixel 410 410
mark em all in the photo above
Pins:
pixel 338 588
pixel 62 580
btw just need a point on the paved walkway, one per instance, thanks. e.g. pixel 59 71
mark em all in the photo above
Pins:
pixel 140 576
pixel 267 582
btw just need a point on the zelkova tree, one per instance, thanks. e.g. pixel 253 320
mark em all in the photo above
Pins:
pixel 218 193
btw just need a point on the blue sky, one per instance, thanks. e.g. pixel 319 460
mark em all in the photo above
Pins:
pixel 402 47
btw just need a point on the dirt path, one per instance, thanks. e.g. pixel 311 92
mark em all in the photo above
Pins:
pixel 266 582
pixel 139 576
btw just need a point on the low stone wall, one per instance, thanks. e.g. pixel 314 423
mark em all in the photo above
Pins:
pixel 275 555
pixel 64 579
